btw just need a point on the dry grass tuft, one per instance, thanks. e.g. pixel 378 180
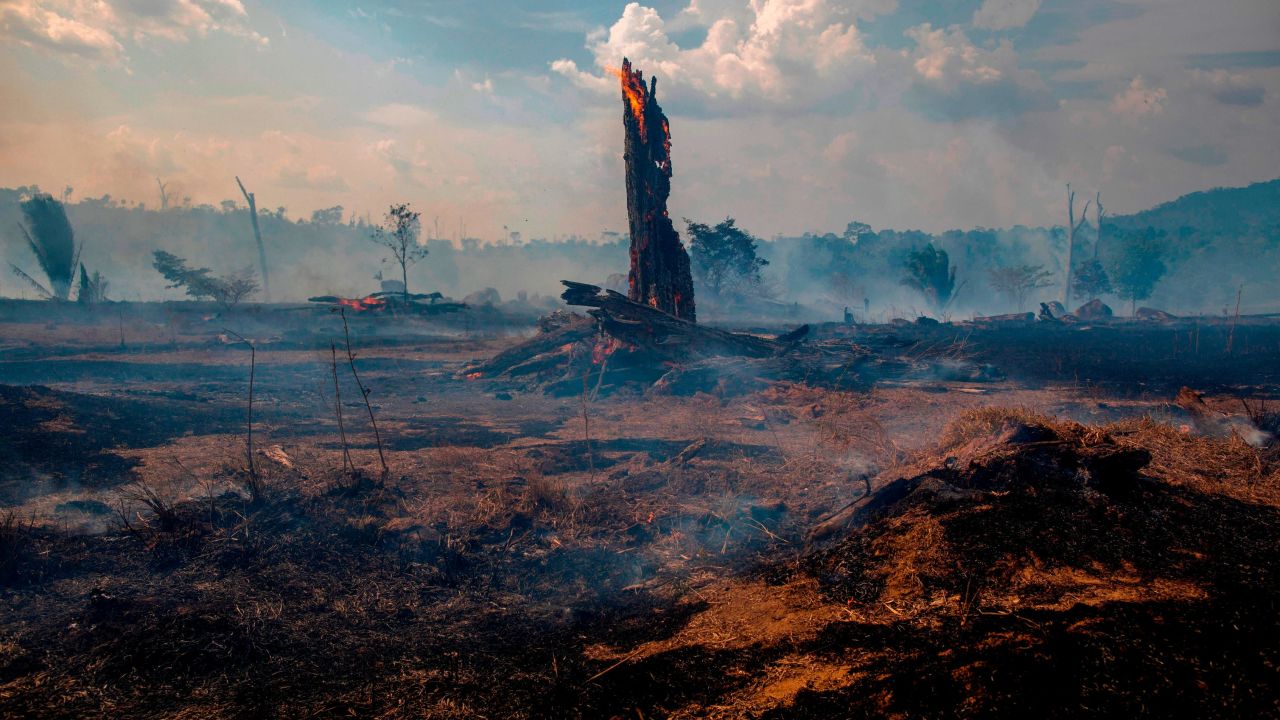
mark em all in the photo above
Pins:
pixel 546 493
pixel 1227 466
pixel 984 422
pixel 159 498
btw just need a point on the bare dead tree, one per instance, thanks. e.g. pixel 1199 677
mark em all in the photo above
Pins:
pixel 347 465
pixel 254 482
pixel 1072 228
pixel 1100 211
pixel 257 236
pixel 164 196
pixel 364 392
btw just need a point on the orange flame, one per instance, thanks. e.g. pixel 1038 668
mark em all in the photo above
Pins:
pixel 363 304
pixel 604 348
pixel 633 91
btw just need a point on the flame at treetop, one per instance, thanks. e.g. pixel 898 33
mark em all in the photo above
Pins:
pixel 634 92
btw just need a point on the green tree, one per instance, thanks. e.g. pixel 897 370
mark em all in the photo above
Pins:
pixel 48 234
pixel 1090 280
pixel 327 216
pixel 724 256
pixel 1137 264
pixel 200 283
pixel 855 231
pixel 399 234
pixel 1015 281
pixel 930 271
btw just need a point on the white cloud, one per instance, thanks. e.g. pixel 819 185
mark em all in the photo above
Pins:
pixel 31 23
pixel 1139 101
pixel 946 57
pixel 793 52
pixel 781 116
pixel 582 79
pixel 956 79
pixel 98 29
pixel 1005 14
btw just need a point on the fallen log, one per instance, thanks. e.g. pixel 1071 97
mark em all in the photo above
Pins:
pixel 668 336
pixel 568 330
pixel 1020 317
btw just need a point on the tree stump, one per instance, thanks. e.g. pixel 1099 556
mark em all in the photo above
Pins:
pixel 660 275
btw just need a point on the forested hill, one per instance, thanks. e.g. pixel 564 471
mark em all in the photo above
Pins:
pixel 1221 211
pixel 1220 242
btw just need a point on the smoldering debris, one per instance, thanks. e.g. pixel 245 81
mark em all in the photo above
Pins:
pixel 391 302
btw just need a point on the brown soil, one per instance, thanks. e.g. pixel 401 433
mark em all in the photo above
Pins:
pixel 1091 552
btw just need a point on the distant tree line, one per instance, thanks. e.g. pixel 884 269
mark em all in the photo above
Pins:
pixel 1193 254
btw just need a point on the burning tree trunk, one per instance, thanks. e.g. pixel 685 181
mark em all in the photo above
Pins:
pixel 257 235
pixel 660 275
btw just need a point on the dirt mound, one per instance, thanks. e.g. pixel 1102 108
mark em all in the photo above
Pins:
pixel 1031 544
pixel 992 453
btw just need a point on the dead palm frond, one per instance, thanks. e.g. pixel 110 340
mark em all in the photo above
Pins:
pixel 35 284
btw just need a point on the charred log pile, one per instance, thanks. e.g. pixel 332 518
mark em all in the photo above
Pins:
pixel 626 344
pixel 666 335
pixel 660 274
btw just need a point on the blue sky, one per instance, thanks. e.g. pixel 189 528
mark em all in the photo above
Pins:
pixel 790 115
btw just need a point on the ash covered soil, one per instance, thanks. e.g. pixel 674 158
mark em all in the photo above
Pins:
pixel 1054 539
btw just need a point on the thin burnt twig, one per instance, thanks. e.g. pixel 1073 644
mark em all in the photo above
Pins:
pixel 364 392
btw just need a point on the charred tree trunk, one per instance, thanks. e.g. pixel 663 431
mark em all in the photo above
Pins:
pixel 660 274
pixel 257 235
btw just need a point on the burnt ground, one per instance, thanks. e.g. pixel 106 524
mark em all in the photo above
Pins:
pixel 1053 538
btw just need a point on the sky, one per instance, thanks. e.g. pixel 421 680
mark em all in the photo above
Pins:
pixel 789 115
